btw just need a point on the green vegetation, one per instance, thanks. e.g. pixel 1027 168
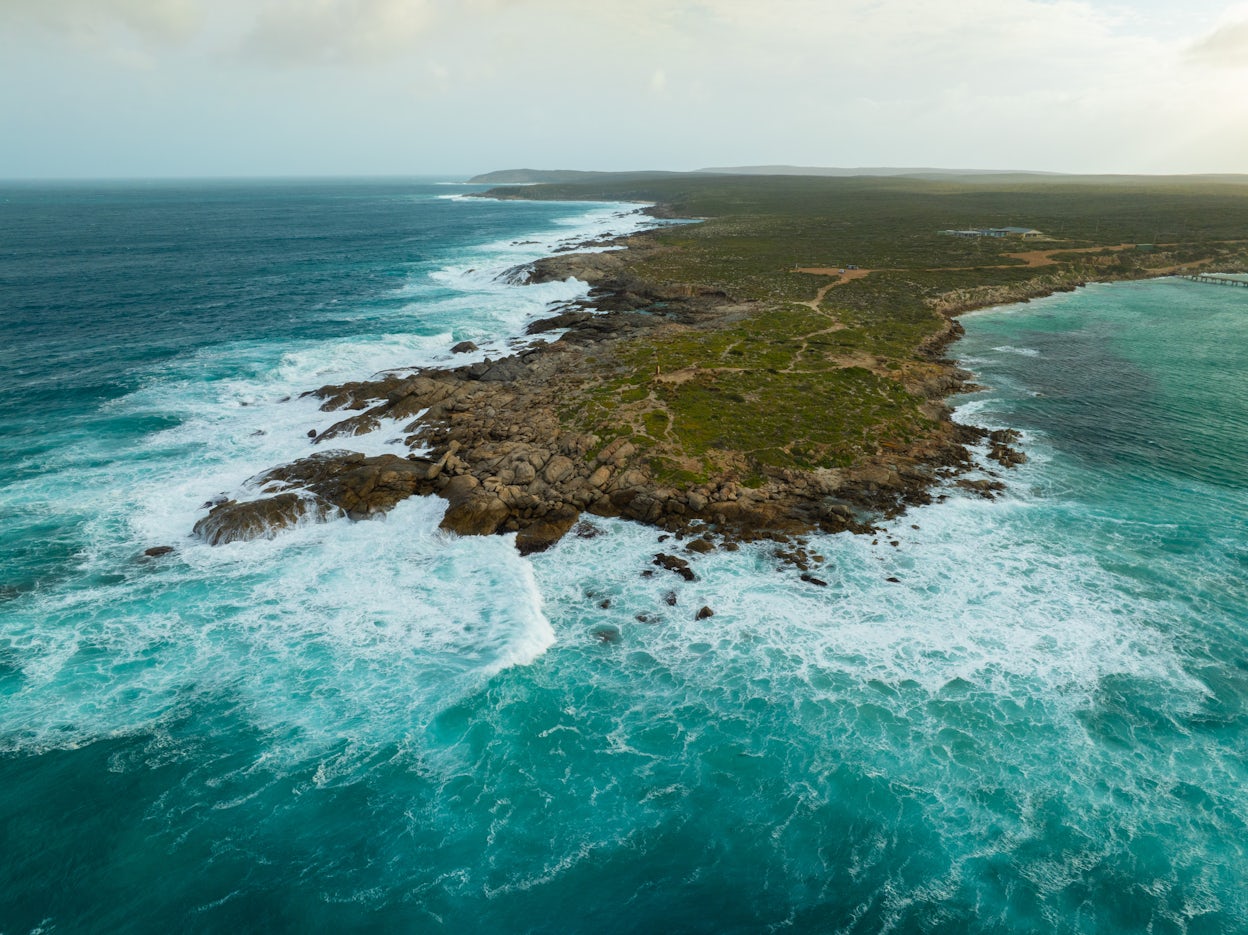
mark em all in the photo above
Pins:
pixel 802 376
pixel 773 387
pixel 894 221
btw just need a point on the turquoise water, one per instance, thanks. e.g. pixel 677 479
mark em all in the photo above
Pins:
pixel 374 726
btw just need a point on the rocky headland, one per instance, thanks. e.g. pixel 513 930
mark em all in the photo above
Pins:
pixel 494 438
pixel 708 385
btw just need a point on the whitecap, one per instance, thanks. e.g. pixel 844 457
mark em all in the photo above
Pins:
pixel 367 627
pixel 364 626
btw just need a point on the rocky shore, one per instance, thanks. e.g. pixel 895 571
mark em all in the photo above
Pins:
pixel 494 439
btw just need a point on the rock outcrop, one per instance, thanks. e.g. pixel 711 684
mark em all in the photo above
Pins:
pixel 324 486
pixel 233 521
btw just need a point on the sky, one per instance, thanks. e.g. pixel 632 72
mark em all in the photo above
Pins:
pixel 205 88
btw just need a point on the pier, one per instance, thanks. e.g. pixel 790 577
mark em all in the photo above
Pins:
pixel 1218 280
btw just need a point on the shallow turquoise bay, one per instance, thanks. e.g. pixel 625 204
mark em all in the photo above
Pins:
pixel 1040 728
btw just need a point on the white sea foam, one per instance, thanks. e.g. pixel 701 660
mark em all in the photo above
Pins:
pixel 1030 709
pixel 1000 625
pixel 596 223
pixel 985 593
pixel 364 627
pixel 255 418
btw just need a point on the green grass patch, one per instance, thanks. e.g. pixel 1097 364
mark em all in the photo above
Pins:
pixel 783 386
pixel 827 420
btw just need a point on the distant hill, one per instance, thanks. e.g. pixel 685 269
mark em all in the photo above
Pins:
pixel 558 176
pixel 973 175
pixel 531 176
pixel 881 171
pixel 956 176
pixel 864 170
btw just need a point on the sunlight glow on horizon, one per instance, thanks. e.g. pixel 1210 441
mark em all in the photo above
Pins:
pixel 100 88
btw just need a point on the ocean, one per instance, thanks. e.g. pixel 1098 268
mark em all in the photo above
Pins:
pixel 1028 715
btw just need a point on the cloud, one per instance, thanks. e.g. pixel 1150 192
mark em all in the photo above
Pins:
pixel 335 32
pixel 1059 84
pixel 156 22
pixel 1226 47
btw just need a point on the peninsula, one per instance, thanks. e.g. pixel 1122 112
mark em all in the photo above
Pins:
pixel 777 366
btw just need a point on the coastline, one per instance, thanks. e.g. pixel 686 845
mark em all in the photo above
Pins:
pixel 531 478
pixel 519 444
pixel 394 723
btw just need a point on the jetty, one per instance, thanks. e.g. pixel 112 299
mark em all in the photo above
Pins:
pixel 1218 280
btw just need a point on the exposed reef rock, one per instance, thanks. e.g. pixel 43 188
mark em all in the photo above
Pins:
pixel 233 521
pixel 321 487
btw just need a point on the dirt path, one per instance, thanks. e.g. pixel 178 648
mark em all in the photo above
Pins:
pixel 840 279
pixel 1032 258
pixel 1045 257
pixel 1181 267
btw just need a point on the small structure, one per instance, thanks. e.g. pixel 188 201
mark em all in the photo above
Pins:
pixel 1218 280
pixel 1024 233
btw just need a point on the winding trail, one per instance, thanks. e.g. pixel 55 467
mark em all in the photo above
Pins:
pixel 1029 258
pixel 840 278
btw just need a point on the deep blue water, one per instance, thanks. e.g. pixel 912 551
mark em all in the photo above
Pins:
pixel 375 726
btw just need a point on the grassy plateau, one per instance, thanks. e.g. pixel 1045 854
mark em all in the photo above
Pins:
pixel 826 302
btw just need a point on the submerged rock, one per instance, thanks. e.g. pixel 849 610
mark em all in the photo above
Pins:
pixel 587 531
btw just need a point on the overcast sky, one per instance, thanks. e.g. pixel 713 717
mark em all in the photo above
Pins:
pixel 112 88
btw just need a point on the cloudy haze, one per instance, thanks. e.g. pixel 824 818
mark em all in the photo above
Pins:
pixel 100 88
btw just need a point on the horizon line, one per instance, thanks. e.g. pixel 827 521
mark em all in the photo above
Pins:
pixel 463 176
